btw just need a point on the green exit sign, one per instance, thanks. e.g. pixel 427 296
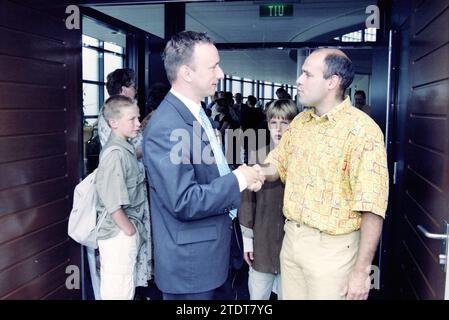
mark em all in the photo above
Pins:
pixel 276 10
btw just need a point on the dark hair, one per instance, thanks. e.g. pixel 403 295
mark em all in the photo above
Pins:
pixel 252 100
pixel 341 66
pixel 361 92
pixel 156 94
pixel 120 78
pixel 179 51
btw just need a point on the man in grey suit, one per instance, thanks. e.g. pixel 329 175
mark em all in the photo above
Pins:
pixel 193 193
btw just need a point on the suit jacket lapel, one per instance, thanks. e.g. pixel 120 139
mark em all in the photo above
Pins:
pixel 188 117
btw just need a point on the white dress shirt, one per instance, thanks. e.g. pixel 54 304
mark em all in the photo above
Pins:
pixel 195 110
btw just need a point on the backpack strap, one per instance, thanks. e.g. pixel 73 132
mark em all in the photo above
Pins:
pixel 108 150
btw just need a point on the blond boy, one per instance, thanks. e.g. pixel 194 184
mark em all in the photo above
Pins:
pixel 121 190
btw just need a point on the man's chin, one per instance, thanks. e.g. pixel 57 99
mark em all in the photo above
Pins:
pixel 305 102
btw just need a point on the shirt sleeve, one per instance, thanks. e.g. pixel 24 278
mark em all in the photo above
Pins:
pixel 110 182
pixel 279 155
pixel 248 244
pixel 241 180
pixel 369 174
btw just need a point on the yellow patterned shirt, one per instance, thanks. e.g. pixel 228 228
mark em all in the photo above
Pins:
pixel 334 167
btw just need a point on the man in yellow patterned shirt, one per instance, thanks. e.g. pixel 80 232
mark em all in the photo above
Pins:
pixel 333 163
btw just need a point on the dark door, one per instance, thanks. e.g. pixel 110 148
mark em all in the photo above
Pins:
pixel 424 195
pixel 40 151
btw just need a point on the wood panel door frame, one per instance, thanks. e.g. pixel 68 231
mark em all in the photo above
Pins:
pixel 40 136
pixel 421 155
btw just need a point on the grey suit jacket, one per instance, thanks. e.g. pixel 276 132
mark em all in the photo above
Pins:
pixel 190 203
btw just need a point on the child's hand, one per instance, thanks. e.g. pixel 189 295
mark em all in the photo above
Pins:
pixel 130 233
pixel 249 258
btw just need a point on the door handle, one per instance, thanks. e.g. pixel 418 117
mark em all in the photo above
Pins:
pixel 439 236
pixel 436 236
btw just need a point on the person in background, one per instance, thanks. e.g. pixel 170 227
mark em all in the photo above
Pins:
pixel 281 93
pixel 360 101
pixel 122 82
pixel 261 217
pixel 156 94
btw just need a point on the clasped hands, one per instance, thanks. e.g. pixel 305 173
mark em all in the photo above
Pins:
pixel 254 176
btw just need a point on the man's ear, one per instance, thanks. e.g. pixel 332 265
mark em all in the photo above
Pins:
pixel 185 73
pixel 334 82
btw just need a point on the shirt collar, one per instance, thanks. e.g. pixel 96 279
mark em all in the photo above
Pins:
pixel 331 115
pixel 114 139
pixel 190 104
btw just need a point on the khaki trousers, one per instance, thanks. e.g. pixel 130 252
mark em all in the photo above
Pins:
pixel 118 260
pixel 316 265
pixel 261 284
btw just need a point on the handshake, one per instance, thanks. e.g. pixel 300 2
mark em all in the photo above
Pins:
pixel 256 175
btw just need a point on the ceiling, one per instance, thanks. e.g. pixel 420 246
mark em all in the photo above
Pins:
pixel 239 22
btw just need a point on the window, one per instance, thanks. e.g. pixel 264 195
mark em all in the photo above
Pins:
pixel 99 59
pixel 248 89
pixel 370 35
pixel 264 91
pixel 367 35
pixel 90 64
pixel 295 92
pixel 228 83
pixel 236 86
pixel 352 37
pixel 268 91
pixel 220 86
pixel 103 50
pixel 90 99
pixel 111 62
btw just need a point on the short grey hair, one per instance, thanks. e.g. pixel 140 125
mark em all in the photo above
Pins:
pixel 114 104
pixel 340 66
pixel 179 51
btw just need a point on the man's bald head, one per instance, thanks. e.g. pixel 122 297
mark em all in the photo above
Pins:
pixel 327 51
pixel 336 62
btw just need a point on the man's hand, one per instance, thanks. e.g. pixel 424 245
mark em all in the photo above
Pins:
pixel 268 170
pixel 359 281
pixel 256 186
pixel 254 178
pixel 358 286
pixel 249 258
